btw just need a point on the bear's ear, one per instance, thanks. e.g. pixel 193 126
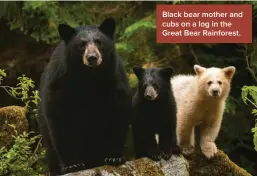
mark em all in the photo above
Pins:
pixel 108 27
pixel 139 71
pixel 66 32
pixel 229 72
pixel 198 69
pixel 166 72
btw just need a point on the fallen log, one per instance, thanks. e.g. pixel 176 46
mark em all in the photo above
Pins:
pixel 194 165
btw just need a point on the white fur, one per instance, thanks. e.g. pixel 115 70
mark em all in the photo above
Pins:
pixel 196 105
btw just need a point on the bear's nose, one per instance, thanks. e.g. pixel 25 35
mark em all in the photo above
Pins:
pixel 215 92
pixel 92 59
pixel 148 97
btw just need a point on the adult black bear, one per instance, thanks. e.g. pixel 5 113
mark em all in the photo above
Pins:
pixel 86 100
pixel 155 114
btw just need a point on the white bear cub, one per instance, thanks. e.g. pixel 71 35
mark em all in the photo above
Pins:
pixel 201 100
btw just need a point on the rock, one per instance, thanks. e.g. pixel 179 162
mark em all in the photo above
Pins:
pixel 194 165
pixel 12 121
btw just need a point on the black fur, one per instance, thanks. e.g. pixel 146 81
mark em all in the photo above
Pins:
pixel 84 111
pixel 154 116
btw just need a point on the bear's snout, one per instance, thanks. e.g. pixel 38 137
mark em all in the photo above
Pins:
pixel 92 57
pixel 215 92
pixel 150 93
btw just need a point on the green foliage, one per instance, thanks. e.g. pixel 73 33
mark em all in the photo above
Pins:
pixel 21 160
pixel 231 105
pixel 254 130
pixel 252 92
pixel 2 75
pixel 130 30
pixel 40 19
pixel 22 90
pixel 133 81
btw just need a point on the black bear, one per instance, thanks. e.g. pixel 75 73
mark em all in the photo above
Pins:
pixel 86 100
pixel 154 111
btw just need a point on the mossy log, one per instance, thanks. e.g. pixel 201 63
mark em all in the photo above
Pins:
pixel 194 165
pixel 12 121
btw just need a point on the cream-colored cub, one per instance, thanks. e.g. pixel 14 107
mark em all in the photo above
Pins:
pixel 201 100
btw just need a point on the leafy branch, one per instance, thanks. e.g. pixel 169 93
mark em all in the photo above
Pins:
pixel 22 89
pixel 252 92
pixel 19 160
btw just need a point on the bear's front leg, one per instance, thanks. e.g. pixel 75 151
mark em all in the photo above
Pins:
pixel 151 149
pixel 168 139
pixel 69 150
pixel 208 134
pixel 120 115
pixel 52 160
pixel 65 138
pixel 145 144
pixel 185 134
pixel 168 144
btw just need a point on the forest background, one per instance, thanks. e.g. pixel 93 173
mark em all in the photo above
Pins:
pixel 28 35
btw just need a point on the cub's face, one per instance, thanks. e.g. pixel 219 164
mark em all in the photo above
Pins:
pixel 153 81
pixel 214 82
pixel 89 45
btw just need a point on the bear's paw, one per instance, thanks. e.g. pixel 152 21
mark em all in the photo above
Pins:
pixel 209 149
pixel 155 156
pixel 73 168
pixel 176 150
pixel 166 155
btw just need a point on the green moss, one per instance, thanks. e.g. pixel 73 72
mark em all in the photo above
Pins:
pixel 187 164
pixel 147 167
pixel 12 122
pixel 221 165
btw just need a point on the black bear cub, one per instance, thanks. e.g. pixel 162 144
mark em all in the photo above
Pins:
pixel 86 100
pixel 154 111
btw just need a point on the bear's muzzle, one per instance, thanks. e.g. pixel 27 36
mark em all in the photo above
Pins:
pixel 92 56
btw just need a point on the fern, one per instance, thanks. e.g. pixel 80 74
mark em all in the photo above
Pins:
pixel 2 75
pixel 252 92
pixel 130 30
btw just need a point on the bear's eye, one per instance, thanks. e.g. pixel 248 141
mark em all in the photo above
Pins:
pixel 82 45
pixel 155 85
pixel 98 42
pixel 219 82
pixel 209 82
